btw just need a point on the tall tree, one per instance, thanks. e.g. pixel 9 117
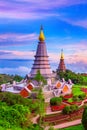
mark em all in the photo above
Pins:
pixel 39 78
pixel 84 118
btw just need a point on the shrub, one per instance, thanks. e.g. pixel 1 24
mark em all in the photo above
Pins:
pixel 17 78
pixel 73 108
pixel 66 110
pixel 13 115
pixel 55 101
pixel 34 107
pixel 70 109
pixel 12 99
pixel 82 96
pixel 76 98
pixel 79 97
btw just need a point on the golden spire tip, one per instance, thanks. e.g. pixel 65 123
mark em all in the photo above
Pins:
pixel 41 36
pixel 62 55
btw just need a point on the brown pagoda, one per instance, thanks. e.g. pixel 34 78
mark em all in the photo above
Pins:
pixel 61 67
pixel 41 61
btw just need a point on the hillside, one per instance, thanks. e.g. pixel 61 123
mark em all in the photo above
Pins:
pixel 4 78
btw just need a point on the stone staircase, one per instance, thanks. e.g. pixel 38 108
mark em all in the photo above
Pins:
pixel 48 95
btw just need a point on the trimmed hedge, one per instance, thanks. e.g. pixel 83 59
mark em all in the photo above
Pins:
pixel 69 109
pixel 55 101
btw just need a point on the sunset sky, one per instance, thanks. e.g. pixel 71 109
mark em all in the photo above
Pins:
pixel 64 23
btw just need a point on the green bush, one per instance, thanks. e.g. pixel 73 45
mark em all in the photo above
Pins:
pixel 13 115
pixel 66 110
pixel 84 118
pixel 76 98
pixel 34 107
pixel 17 78
pixel 82 96
pixel 79 97
pixel 73 108
pixel 12 99
pixel 55 101
pixel 69 109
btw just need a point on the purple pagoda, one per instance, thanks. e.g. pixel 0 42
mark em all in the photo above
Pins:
pixel 41 61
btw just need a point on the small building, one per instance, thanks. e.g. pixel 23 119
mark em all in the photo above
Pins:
pixel 24 89
pixel 60 88
pixel 63 88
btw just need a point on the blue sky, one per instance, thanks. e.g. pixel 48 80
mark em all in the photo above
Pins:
pixel 64 23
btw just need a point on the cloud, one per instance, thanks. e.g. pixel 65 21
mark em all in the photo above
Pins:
pixel 71 52
pixel 32 9
pixel 17 39
pixel 6 54
pixel 68 45
pixel 80 23
pixel 21 70
pixel 69 59
pixel 78 67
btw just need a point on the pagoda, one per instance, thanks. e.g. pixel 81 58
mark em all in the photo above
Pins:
pixel 41 61
pixel 62 67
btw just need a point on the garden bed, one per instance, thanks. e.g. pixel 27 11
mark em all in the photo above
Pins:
pixel 68 96
pixel 57 108
pixel 72 103
pixel 84 90
pixel 61 118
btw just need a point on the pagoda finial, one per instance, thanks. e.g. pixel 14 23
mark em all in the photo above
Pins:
pixel 41 28
pixel 62 55
pixel 41 36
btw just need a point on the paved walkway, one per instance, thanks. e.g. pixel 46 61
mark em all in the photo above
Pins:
pixel 67 124
pixel 34 119
pixel 83 102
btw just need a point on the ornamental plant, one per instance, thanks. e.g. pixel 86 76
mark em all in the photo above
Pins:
pixel 55 101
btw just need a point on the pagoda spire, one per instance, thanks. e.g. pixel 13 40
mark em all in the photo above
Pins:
pixel 41 61
pixel 62 54
pixel 41 35
pixel 61 67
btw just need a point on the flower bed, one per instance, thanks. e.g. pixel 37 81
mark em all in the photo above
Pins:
pixel 77 103
pixel 71 103
pixel 68 96
pixel 57 108
pixel 84 90
pixel 60 118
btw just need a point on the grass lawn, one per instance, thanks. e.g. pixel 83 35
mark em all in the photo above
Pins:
pixel 76 90
pixel 78 127
pixel 70 100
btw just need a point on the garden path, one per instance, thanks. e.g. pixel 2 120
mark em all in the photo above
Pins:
pixel 83 102
pixel 67 124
